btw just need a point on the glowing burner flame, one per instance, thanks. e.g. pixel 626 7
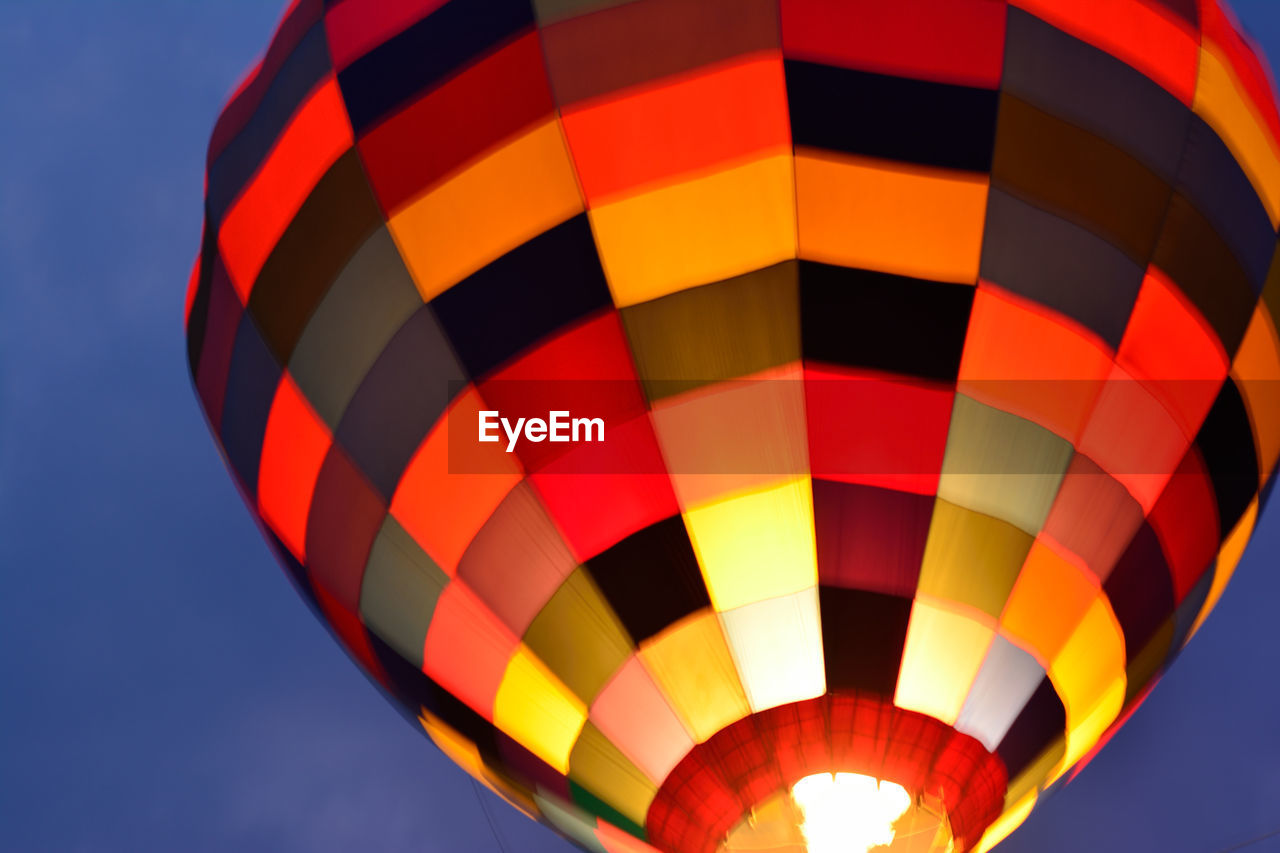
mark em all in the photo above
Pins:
pixel 848 812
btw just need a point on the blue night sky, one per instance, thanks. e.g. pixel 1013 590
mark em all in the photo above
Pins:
pixel 161 685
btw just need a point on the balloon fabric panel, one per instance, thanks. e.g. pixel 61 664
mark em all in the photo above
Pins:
pixel 936 343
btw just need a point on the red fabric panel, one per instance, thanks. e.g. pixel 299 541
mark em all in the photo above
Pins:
pixel 595 498
pixel 355 27
pixel 317 135
pixel 1172 349
pixel 711 121
pixel 586 371
pixel 1185 520
pixel 490 101
pixel 877 429
pixel 947 41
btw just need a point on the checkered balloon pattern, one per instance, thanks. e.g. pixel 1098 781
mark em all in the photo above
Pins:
pixel 935 340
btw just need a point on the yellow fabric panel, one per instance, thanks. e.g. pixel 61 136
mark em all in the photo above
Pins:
pixel 971 558
pixel 538 711
pixel 777 646
pixel 1221 101
pixel 696 232
pixel 597 765
pixel 725 330
pixel 734 437
pixel 1012 818
pixel 894 217
pixel 1089 675
pixel 1092 659
pixel 940 660
pixel 579 637
pixel 1048 601
pixel 1228 559
pixel 1002 465
pixel 1083 736
pixel 1257 373
pixel 485 211
pixel 756 546
pixel 690 662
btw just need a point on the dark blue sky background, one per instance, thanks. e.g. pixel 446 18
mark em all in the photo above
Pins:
pixel 161 685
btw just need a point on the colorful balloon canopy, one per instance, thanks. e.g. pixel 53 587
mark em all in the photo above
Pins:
pixel 934 342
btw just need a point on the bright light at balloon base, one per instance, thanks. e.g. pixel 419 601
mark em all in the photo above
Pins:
pixel 848 812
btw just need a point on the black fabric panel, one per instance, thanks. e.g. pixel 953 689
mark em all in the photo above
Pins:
pixel 1093 90
pixel 1042 721
pixel 651 578
pixel 251 388
pixel 243 154
pixel 421 57
pixel 862 638
pixel 1060 265
pixel 1226 442
pixel 523 296
pixel 1140 589
pixel 199 314
pixel 331 225
pixel 1271 290
pixel 1204 267
pixel 869 537
pixel 1080 177
pixel 894 118
pixel 520 766
pixel 884 321
pixel 405 392
pixel 1212 178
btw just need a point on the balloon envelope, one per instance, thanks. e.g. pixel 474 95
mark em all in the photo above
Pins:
pixel 670 402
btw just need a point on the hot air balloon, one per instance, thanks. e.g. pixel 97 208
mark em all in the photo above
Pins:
pixel 933 346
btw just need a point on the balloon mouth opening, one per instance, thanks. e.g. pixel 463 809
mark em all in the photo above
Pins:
pixel 842 813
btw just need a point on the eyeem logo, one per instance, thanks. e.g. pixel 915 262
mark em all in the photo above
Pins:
pixel 558 427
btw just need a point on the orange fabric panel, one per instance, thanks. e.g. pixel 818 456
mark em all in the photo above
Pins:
pixel 892 217
pixel 1026 360
pixel 1257 373
pixel 318 134
pixel 293 449
pixel 1160 45
pixel 1248 61
pixel 1050 597
pixel 438 501
pixel 467 648
pixel 662 131
pixel 1169 343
